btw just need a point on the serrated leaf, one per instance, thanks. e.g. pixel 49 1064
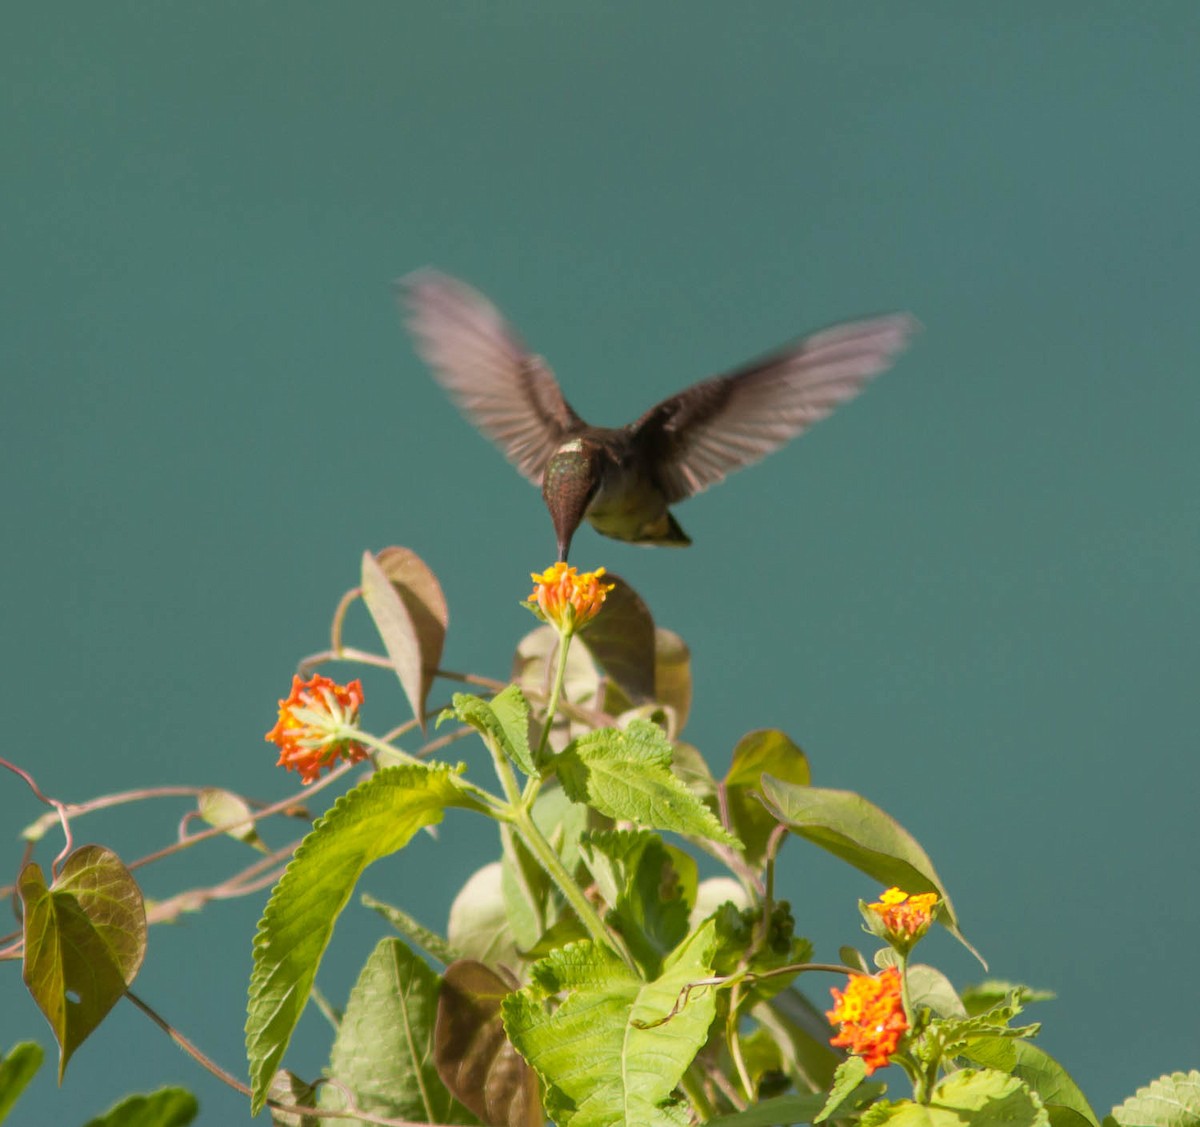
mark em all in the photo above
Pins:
pixel 605 1054
pixel 376 818
pixel 85 939
pixel 287 1088
pixel 986 995
pixel 478 926
pixel 772 1113
pixel 224 810
pixel 475 1059
pixel 621 639
pixel 168 1107
pixel 1035 1067
pixel 532 669
pixel 503 722
pixel 849 1075
pixel 627 775
pixel 1169 1101
pixel 384 1048
pixel 16 1070
pixel 860 833
pixel 409 609
pixel 646 888
pixel 413 930
pixel 766 751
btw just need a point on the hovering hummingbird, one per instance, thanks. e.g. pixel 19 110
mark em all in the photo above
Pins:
pixel 623 480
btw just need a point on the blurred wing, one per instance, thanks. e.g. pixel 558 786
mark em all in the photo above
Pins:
pixel 712 428
pixel 498 385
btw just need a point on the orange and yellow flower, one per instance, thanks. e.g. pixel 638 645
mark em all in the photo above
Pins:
pixel 567 599
pixel 871 1014
pixel 903 918
pixel 315 725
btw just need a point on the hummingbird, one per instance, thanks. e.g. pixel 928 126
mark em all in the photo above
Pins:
pixel 624 480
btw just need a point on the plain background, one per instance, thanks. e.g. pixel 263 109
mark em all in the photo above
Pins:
pixel 970 596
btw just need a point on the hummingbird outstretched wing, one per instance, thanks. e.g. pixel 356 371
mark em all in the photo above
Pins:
pixel 507 392
pixel 697 437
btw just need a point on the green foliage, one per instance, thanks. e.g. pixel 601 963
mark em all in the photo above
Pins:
pixel 772 1113
pixel 168 1107
pixel 968 1098
pixel 615 1046
pixel 1035 1067
pixel 858 832
pixel 288 1090
pixel 503 722
pixel 16 1070
pixel 627 775
pixel 766 751
pixel 641 881
pixel 478 927
pixel 85 939
pixel 378 817
pixel 383 1053
pixel 414 931
pixel 1169 1101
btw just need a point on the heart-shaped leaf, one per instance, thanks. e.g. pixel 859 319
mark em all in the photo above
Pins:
pixel 621 639
pixel 767 751
pixel 85 939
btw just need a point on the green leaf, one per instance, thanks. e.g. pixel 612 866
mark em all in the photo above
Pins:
pixel 503 722
pixel 968 1098
pixel 16 1070
pixel 478 925
pixel 168 1107
pixel 287 1088
pixel 409 609
pixel 1037 1068
pixel 627 775
pixel 645 890
pixel 986 995
pixel 374 819
pixel 927 986
pixel 673 674
pixel 85 939
pixel 1169 1101
pixel 689 765
pixel 533 902
pixel 224 810
pixel 773 1113
pixel 621 639
pixel 850 1074
pixel 613 1050
pixel 765 751
pixel 848 826
pixel 474 1057
pixel 532 669
pixel 802 1033
pixel 384 1048
pixel 412 930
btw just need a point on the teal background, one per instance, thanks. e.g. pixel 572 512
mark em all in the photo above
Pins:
pixel 970 596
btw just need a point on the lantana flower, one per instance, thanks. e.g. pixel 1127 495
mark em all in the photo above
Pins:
pixel 900 918
pixel 315 726
pixel 566 599
pixel 871 1014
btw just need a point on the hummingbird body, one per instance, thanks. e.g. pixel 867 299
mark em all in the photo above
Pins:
pixel 623 480
pixel 599 477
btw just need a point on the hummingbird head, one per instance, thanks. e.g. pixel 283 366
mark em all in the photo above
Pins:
pixel 570 482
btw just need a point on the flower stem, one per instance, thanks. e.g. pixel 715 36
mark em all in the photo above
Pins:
pixel 560 674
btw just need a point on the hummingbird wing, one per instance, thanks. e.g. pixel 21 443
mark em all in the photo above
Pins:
pixel 697 437
pixel 507 392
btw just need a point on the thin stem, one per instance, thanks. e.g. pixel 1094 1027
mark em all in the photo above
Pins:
pixel 701 1104
pixel 560 672
pixel 735 1042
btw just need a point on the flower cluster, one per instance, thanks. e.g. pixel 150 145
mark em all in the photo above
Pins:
pixel 871 1014
pixel 315 726
pixel 566 599
pixel 900 918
